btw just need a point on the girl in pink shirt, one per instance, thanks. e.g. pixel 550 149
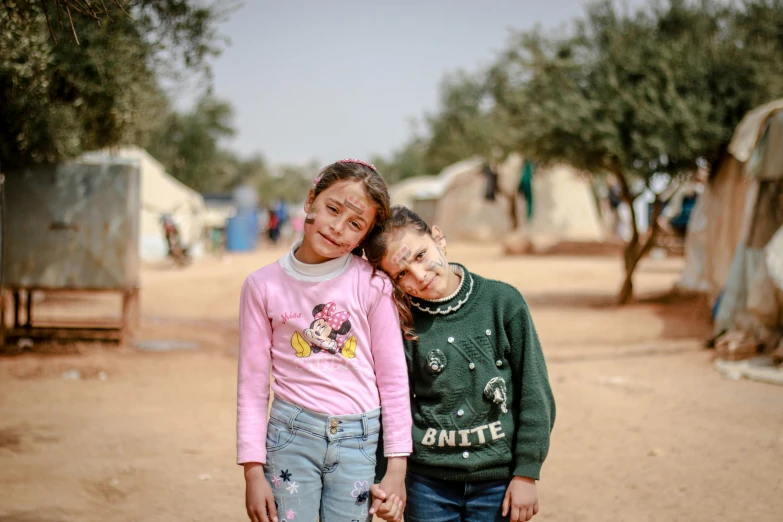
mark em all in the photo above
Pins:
pixel 323 323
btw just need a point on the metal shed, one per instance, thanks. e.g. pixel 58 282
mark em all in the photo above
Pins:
pixel 71 228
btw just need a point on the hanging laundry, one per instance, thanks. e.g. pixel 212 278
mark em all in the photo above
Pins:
pixel 526 186
pixel 492 182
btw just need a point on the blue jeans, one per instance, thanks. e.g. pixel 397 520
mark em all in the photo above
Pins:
pixel 433 500
pixel 320 465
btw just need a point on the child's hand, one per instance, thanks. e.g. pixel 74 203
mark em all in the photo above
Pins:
pixel 259 500
pixel 386 507
pixel 521 499
pixel 389 496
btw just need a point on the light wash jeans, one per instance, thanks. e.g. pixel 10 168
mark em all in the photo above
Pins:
pixel 321 465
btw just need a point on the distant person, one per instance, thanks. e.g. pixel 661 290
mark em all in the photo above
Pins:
pixel 323 323
pixel 482 406
pixel 273 226
pixel 282 213
pixel 297 225
pixel 676 214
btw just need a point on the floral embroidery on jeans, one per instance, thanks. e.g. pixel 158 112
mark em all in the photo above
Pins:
pixel 361 491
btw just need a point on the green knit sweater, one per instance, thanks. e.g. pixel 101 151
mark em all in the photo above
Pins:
pixel 480 396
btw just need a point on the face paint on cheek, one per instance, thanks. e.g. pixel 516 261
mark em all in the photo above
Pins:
pixel 355 204
pixel 440 262
pixel 310 218
pixel 400 255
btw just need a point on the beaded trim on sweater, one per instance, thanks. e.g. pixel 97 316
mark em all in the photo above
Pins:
pixel 439 310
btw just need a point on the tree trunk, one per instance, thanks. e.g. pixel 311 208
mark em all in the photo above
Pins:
pixel 632 255
pixel 635 250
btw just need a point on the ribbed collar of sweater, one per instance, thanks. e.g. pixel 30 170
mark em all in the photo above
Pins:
pixel 453 302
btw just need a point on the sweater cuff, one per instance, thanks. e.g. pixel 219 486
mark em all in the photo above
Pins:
pixel 528 469
pixel 388 455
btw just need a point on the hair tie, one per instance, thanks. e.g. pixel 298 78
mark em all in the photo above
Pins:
pixel 316 180
pixel 359 162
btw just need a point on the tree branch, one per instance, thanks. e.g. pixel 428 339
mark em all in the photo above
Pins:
pixel 48 23
pixel 59 14
pixel 106 10
pixel 122 9
pixel 72 27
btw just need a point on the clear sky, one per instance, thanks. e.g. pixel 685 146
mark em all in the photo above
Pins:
pixel 323 80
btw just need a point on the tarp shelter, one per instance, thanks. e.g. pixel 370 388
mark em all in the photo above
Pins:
pixel 736 255
pixel 161 194
pixel 564 208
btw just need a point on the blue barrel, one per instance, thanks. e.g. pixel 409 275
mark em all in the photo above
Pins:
pixel 241 232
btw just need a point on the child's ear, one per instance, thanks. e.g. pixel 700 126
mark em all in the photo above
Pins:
pixel 310 199
pixel 439 238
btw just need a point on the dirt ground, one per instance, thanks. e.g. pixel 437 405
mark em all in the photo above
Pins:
pixel 646 428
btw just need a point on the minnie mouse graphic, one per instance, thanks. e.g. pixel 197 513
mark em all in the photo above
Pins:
pixel 322 334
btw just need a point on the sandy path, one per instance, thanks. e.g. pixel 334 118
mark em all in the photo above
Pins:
pixel 646 429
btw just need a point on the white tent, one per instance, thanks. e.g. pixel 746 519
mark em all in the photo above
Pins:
pixel 423 194
pixel 564 208
pixel 161 194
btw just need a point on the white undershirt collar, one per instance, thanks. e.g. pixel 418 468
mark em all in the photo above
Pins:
pixel 314 272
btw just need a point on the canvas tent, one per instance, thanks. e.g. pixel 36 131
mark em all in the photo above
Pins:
pixel 736 255
pixel 161 194
pixel 564 207
pixel 462 211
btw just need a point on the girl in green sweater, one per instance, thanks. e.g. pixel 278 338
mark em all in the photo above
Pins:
pixel 482 406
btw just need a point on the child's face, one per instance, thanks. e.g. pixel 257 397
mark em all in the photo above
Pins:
pixel 337 221
pixel 417 263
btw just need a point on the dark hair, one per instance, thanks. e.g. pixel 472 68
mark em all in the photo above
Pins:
pixel 373 185
pixel 376 246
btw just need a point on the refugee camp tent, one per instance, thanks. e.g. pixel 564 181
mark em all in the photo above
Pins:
pixel 564 208
pixel 743 205
pixel 420 194
pixel 563 205
pixel 463 211
pixel 454 200
pixel 161 194
pixel 714 229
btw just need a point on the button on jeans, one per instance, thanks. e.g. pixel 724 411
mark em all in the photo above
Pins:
pixel 433 500
pixel 321 465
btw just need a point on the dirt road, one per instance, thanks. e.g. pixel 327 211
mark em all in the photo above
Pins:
pixel 646 429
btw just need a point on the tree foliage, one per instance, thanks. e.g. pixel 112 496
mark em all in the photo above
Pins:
pixel 62 97
pixel 406 162
pixel 188 144
pixel 634 93
pixel 659 90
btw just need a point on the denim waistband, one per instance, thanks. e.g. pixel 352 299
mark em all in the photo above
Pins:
pixel 331 427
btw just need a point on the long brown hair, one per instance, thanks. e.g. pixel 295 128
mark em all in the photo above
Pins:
pixel 372 182
pixel 376 246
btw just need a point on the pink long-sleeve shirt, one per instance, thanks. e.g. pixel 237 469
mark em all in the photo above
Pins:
pixel 332 343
